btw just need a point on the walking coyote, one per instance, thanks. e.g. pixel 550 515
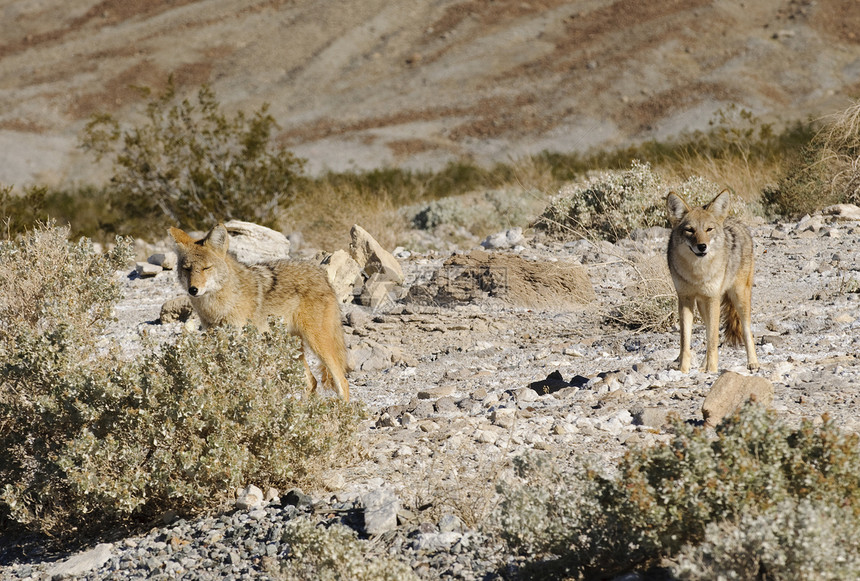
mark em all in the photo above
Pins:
pixel 711 261
pixel 226 291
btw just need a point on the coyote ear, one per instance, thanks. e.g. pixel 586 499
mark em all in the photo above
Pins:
pixel 180 236
pixel 719 206
pixel 677 207
pixel 217 239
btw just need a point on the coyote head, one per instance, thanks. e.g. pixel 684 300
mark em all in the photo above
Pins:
pixel 700 228
pixel 201 263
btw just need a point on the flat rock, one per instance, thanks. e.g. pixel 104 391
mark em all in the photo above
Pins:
pixel 82 563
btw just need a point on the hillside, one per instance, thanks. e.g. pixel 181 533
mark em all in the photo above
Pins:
pixel 368 83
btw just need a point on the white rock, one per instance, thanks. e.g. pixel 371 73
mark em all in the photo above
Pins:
pixel 145 269
pixel 343 273
pixel 253 243
pixel 82 563
pixel 249 497
pixel 436 541
pixel 380 511
pixel 372 257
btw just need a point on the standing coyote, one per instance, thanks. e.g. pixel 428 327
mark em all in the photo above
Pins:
pixel 226 291
pixel 711 260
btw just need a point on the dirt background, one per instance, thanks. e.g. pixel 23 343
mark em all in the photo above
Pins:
pixel 370 83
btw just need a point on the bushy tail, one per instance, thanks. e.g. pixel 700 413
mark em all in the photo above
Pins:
pixel 731 323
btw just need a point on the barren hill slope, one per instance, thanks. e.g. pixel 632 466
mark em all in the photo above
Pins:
pixel 366 83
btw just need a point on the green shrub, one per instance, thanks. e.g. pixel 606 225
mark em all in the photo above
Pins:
pixel 93 437
pixel 334 553
pixel 677 497
pixel 195 165
pixel 611 204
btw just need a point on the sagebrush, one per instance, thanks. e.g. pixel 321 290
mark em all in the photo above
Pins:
pixel 680 498
pixel 611 204
pixel 93 436
pixel 333 553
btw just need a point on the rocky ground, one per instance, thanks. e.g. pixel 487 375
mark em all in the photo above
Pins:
pixel 448 390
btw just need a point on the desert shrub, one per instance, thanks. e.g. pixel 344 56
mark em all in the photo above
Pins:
pixel 93 437
pixel 795 539
pixel 48 283
pixel 194 165
pixel 333 553
pixel 611 204
pixel 677 497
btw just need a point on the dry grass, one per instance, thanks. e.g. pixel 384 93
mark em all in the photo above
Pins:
pixel 839 154
pixel 326 215
pixel 652 302
pixel 745 178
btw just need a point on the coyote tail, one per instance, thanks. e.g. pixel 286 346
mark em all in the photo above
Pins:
pixel 731 322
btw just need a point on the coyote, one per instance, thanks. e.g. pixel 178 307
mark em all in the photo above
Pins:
pixel 226 291
pixel 711 260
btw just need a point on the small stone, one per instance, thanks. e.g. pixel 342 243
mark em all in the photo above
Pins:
pixel 249 497
pixel 450 523
pixel 272 495
pixel 297 498
pixel 436 392
pixel 654 417
pixel 525 395
pixel 166 260
pixel 503 417
pixel 146 270
pixel 445 405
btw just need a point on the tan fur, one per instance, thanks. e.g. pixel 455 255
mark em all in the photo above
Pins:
pixel 711 261
pixel 225 291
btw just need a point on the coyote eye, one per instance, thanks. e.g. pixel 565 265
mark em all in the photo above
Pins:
pixel 207 267
pixel 709 229
pixel 690 230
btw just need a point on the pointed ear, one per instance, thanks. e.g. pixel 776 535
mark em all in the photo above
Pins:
pixel 180 236
pixel 676 208
pixel 217 239
pixel 719 206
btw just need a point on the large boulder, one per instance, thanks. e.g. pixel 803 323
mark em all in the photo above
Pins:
pixel 372 257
